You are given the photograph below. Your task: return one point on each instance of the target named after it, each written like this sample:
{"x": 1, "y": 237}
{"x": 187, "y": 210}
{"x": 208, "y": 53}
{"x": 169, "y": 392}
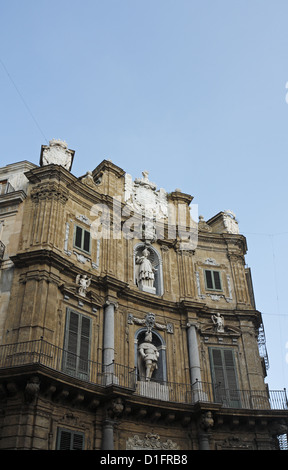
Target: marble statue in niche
{"x": 145, "y": 273}
{"x": 148, "y": 356}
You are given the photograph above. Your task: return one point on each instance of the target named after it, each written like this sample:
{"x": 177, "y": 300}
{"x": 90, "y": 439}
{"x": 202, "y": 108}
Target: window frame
{"x": 82, "y": 244}
{"x": 214, "y": 288}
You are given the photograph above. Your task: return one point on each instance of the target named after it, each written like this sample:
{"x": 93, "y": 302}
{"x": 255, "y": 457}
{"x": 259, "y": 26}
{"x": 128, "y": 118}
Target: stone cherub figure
{"x": 83, "y": 282}
{"x": 149, "y": 355}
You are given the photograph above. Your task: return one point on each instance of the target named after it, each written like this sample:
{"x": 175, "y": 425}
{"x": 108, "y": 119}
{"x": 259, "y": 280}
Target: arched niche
{"x": 159, "y": 374}
{"x": 154, "y": 257}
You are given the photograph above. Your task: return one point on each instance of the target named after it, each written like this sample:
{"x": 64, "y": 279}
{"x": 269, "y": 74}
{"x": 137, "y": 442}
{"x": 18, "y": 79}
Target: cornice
{"x": 109, "y": 284}
{"x": 12, "y": 199}
{"x": 50, "y": 172}
{"x": 42, "y": 256}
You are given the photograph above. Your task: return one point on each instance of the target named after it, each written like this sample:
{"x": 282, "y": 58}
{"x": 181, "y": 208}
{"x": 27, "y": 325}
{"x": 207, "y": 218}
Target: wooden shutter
{"x": 78, "y": 237}
{"x": 72, "y": 340}
{"x": 64, "y": 440}
{"x": 78, "y": 441}
{"x": 224, "y": 377}
{"x": 217, "y": 281}
{"x": 77, "y": 344}
{"x": 84, "y": 341}
{"x": 209, "y": 281}
{"x": 70, "y": 440}
{"x": 86, "y": 241}
{"x": 213, "y": 280}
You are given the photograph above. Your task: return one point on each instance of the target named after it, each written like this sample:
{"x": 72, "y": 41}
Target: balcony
{"x": 50, "y": 357}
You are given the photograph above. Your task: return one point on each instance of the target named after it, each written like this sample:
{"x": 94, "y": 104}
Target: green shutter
{"x": 209, "y": 282}
{"x": 86, "y": 241}
{"x": 78, "y": 441}
{"x": 224, "y": 377}
{"x": 217, "y": 282}
{"x": 213, "y": 279}
{"x": 84, "y": 345}
{"x": 77, "y": 344}
{"x": 69, "y": 440}
{"x": 78, "y": 237}
{"x": 82, "y": 239}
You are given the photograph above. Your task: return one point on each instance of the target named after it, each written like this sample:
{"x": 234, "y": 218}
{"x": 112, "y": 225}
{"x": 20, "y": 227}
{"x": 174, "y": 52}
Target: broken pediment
{"x": 227, "y": 331}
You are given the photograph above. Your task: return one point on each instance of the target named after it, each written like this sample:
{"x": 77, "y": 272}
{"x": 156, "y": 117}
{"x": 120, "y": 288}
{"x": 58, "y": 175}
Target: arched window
{"x": 159, "y": 374}
{"x": 148, "y": 272}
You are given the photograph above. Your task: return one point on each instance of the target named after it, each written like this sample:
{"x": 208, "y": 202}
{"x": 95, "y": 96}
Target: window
{"x": 224, "y": 377}
{"x": 5, "y": 187}
{"x": 69, "y": 440}
{"x": 213, "y": 280}
{"x": 77, "y": 345}
{"x": 82, "y": 239}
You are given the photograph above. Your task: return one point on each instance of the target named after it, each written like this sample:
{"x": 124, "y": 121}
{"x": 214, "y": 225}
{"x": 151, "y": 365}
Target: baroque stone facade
{"x": 126, "y": 322}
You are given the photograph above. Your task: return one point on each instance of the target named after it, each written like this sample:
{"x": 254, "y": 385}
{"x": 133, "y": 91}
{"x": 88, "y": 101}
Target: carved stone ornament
{"x": 203, "y": 226}
{"x": 150, "y": 441}
{"x": 32, "y": 388}
{"x": 207, "y": 421}
{"x": 142, "y": 196}
{"x": 150, "y": 322}
{"x": 230, "y": 222}
{"x": 57, "y": 153}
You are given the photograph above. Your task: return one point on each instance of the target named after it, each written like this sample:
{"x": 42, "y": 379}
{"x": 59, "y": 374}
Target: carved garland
{"x": 150, "y": 441}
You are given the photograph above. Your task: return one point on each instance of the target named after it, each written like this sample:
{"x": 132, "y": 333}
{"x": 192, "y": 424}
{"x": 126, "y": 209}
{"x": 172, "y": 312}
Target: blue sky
{"x": 192, "y": 91}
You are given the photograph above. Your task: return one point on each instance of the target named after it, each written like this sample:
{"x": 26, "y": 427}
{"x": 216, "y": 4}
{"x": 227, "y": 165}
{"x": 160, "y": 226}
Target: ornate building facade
{"x": 125, "y": 322}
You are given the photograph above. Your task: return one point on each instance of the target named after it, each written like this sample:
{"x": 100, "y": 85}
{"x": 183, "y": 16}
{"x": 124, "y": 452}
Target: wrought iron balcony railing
{"x": 57, "y": 359}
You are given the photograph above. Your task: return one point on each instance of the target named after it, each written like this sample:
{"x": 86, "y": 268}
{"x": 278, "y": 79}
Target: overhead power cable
{"x": 23, "y": 100}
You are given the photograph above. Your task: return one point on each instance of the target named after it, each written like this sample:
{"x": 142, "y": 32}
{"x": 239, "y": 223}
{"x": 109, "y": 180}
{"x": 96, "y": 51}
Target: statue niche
{"x": 151, "y": 357}
{"x": 148, "y": 357}
{"x": 148, "y": 269}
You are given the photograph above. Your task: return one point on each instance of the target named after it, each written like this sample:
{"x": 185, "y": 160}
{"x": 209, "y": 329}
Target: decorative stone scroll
{"x": 150, "y": 441}
{"x": 150, "y": 322}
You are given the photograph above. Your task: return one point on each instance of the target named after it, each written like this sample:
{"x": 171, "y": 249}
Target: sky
{"x": 192, "y": 91}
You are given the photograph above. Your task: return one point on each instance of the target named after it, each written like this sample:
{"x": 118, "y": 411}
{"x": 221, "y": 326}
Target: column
{"x": 108, "y": 342}
{"x": 194, "y": 363}
{"x": 194, "y": 360}
{"x": 108, "y": 435}
{"x": 204, "y": 442}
